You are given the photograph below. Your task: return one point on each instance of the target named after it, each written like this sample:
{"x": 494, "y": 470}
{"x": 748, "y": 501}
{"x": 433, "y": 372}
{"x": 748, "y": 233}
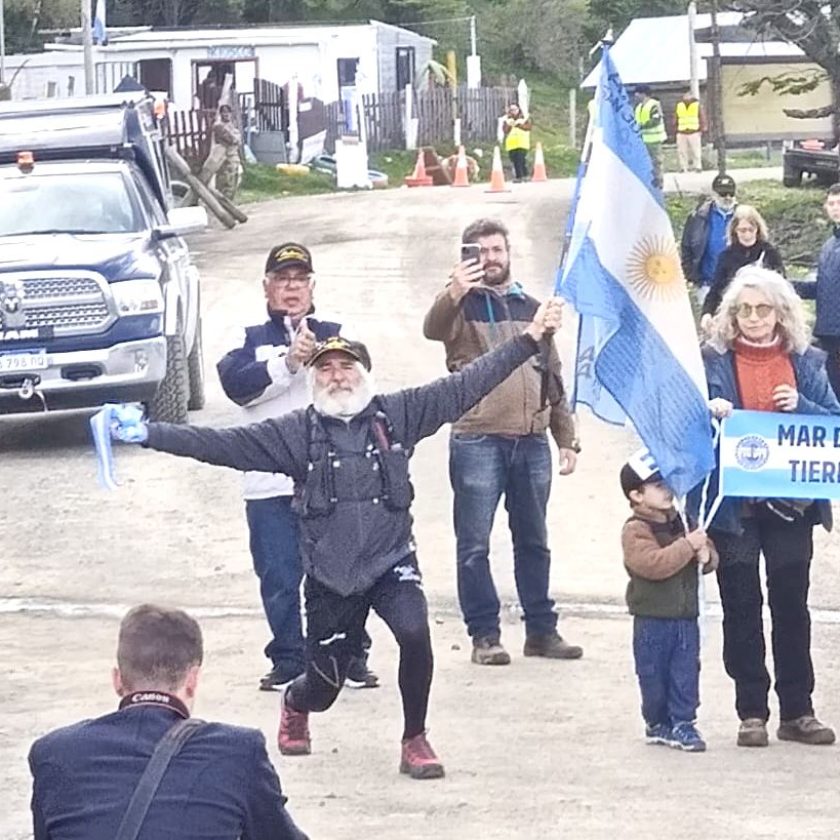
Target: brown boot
{"x": 752, "y": 733}
{"x": 551, "y": 646}
{"x": 487, "y": 650}
{"x": 806, "y": 730}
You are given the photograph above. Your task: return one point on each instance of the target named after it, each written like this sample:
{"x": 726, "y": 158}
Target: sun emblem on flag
{"x": 653, "y": 268}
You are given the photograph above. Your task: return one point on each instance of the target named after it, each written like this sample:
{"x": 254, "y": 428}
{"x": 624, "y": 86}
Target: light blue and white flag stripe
{"x": 100, "y": 31}
{"x": 623, "y": 272}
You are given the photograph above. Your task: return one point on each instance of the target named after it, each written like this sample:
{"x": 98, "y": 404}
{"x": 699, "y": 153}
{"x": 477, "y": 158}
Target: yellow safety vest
{"x": 688, "y": 117}
{"x": 654, "y": 134}
{"x": 517, "y": 138}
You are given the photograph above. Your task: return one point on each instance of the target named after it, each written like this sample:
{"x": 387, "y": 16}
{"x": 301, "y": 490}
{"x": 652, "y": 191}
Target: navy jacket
{"x": 352, "y": 546}
{"x": 815, "y": 397}
{"x": 826, "y": 291}
{"x": 221, "y": 786}
{"x": 244, "y": 372}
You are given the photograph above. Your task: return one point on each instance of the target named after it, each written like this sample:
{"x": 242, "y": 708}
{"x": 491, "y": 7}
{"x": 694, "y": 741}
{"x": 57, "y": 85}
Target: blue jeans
{"x": 481, "y": 469}
{"x": 274, "y": 548}
{"x": 667, "y": 654}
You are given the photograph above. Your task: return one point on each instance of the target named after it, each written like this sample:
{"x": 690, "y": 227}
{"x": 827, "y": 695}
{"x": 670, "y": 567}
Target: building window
{"x": 347, "y": 68}
{"x": 156, "y": 74}
{"x": 405, "y": 67}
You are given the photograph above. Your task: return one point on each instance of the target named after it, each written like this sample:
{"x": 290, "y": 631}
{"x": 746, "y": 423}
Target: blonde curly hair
{"x": 791, "y": 326}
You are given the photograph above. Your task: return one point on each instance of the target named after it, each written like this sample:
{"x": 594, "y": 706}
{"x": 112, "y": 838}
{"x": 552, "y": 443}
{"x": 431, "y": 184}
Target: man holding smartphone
{"x": 500, "y": 447}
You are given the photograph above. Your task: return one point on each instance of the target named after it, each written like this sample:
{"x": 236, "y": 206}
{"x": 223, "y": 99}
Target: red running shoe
{"x": 293, "y": 735}
{"x": 419, "y": 760}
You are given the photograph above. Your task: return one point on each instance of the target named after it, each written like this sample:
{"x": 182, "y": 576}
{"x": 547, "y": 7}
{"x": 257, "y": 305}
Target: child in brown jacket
{"x": 662, "y": 597}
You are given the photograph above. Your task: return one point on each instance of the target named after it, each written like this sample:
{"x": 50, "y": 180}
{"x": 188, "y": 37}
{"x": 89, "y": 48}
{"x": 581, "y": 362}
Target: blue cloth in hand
{"x": 121, "y": 422}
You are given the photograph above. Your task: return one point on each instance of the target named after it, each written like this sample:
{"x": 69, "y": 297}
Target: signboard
{"x": 779, "y": 455}
{"x": 231, "y": 51}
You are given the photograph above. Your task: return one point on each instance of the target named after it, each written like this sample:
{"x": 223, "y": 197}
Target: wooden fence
{"x": 270, "y": 106}
{"x": 191, "y": 134}
{"x": 479, "y": 110}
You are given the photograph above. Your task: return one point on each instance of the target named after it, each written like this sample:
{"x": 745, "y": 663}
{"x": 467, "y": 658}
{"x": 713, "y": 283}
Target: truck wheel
{"x": 195, "y": 369}
{"x": 169, "y": 404}
{"x": 791, "y": 177}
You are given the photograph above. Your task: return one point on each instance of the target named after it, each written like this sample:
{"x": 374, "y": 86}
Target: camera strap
{"x": 167, "y": 748}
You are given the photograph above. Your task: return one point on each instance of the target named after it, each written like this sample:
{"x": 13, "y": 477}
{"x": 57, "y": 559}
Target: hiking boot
{"x": 684, "y": 736}
{"x": 658, "y": 733}
{"x": 279, "y": 676}
{"x": 806, "y": 730}
{"x": 488, "y": 650}
{"x": 419, "y": 760}
{"x": 359, "y": 675}
{"x": 293, "y": 735}
{"x": 551, "y": 646}
{"x": 752, "y": 733}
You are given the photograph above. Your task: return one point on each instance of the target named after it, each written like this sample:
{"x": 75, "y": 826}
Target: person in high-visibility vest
{"x": 648, "y": 116}
{"x": 691, "y": 123}
{"x": 517, "y": 129}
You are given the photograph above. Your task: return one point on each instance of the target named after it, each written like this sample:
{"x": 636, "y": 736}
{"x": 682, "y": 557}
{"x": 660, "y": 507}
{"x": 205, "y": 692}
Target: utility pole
{"x": 692, "y": 50}
{"x": 717, "y": 91}
{"x": 473, "y": 39}
{"x": 87, "y": 46}
{"x": 2, "y": 45}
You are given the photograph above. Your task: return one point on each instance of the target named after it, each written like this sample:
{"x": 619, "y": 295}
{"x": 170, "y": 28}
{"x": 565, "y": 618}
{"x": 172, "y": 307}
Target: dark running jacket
{"x": 352, "y": 546}
{"x": 826, "y": 291}
{"x": 731, "y": 260}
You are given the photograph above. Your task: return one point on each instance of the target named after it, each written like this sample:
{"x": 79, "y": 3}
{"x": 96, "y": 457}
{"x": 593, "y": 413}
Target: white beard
{"x": 344, "y": 404}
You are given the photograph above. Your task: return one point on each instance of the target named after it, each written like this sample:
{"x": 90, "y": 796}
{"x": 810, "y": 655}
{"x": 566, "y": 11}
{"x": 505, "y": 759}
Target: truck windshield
{"x": 92, "y": 202}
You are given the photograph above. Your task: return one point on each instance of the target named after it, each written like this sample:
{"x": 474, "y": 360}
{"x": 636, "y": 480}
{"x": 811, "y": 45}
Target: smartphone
{"x": 470, "y": 252}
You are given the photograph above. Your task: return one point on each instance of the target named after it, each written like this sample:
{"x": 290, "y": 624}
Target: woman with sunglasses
{"x": 759, "y": 358}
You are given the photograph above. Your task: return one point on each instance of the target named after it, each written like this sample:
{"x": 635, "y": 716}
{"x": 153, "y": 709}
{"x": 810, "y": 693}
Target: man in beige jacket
{"x": 500, "y": 447}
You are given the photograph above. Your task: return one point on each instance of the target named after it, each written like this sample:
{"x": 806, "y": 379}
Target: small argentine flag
{"x": 100, "y": 33}
{"x": 638, "y": 355}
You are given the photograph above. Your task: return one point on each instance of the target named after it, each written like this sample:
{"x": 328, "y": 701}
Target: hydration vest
{"x": 378, "y": 475}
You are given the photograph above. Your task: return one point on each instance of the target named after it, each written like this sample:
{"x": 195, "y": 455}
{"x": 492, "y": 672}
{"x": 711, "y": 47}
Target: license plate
{"x": 23, "y": 362}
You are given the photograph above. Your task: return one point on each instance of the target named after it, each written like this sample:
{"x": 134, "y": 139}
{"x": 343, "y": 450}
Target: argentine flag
{"x": 638, "y": 357}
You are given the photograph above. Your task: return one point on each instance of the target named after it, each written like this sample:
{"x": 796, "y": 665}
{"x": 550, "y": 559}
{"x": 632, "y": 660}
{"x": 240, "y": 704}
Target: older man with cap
{"x": 704, "y": 235}
{"x": 348, "y": 455}
{"x": 266, "y": 376}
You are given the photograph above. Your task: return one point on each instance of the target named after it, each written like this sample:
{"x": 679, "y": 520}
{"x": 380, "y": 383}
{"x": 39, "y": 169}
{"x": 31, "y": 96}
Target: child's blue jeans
{"x": 667, "y": 654}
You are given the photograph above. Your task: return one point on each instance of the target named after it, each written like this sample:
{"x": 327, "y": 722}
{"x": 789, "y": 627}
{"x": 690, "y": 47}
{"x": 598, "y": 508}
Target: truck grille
{"x": 68, "y": 304}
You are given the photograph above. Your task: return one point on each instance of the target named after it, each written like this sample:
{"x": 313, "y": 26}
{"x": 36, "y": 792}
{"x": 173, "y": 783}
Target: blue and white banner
{"x": 638, "y": 353}
{"x": 780, "y": 456}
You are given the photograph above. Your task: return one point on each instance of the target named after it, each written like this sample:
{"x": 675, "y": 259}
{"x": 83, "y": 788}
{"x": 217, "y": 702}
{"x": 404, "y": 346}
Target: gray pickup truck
{"x": 99, "y": 299}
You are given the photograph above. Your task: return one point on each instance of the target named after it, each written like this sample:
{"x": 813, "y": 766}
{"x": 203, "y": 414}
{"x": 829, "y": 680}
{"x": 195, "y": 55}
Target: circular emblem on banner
{"x": 752, "y": 452}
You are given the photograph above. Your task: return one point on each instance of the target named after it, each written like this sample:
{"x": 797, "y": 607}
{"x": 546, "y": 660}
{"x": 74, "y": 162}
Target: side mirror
{"x": 183, "y": 220}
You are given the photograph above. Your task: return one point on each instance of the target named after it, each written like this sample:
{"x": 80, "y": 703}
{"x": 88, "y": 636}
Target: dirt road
{"x": 538, "y": 749}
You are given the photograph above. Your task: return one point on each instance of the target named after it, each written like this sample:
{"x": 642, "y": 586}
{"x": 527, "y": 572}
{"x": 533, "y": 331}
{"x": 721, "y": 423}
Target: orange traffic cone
{"x": 539, "y": 173}
{"x": 497, "y": 176}
{"x": 462, "y": 176}
{"x": 419, "y": 178}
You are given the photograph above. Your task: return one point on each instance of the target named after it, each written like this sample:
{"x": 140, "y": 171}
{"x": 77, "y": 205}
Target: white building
{"x": 323, "y": 60}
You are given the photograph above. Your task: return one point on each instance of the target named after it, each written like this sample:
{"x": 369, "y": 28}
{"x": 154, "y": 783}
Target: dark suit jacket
{"x": 221, "y": 786}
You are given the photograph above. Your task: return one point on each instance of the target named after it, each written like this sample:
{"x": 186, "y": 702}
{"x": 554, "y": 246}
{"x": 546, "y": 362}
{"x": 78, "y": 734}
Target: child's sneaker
{"x": 684, "y": 736}
{"x": 658, "y": 733}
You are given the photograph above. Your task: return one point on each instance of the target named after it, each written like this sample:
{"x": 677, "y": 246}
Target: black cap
{"x": 289, "y": 253}
{"x": 642, "y": 89}
{"x": 631, "y": 480}
{"x": 336, "y": 344}
{"x": 724, "y": 185}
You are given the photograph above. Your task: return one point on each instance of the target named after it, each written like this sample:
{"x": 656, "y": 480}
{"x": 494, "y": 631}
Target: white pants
{"x": 690, "y": 151}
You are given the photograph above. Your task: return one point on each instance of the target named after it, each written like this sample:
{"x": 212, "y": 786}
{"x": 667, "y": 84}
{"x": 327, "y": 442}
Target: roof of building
{"x": 654, "y": 50}
{"x": 229, "y": 35}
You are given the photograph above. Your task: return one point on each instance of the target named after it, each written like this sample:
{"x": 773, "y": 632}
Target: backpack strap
{"x": 167, "y": 748}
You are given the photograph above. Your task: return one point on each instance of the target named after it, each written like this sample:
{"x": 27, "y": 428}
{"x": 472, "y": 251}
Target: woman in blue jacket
{"x": 759, "y": 358}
